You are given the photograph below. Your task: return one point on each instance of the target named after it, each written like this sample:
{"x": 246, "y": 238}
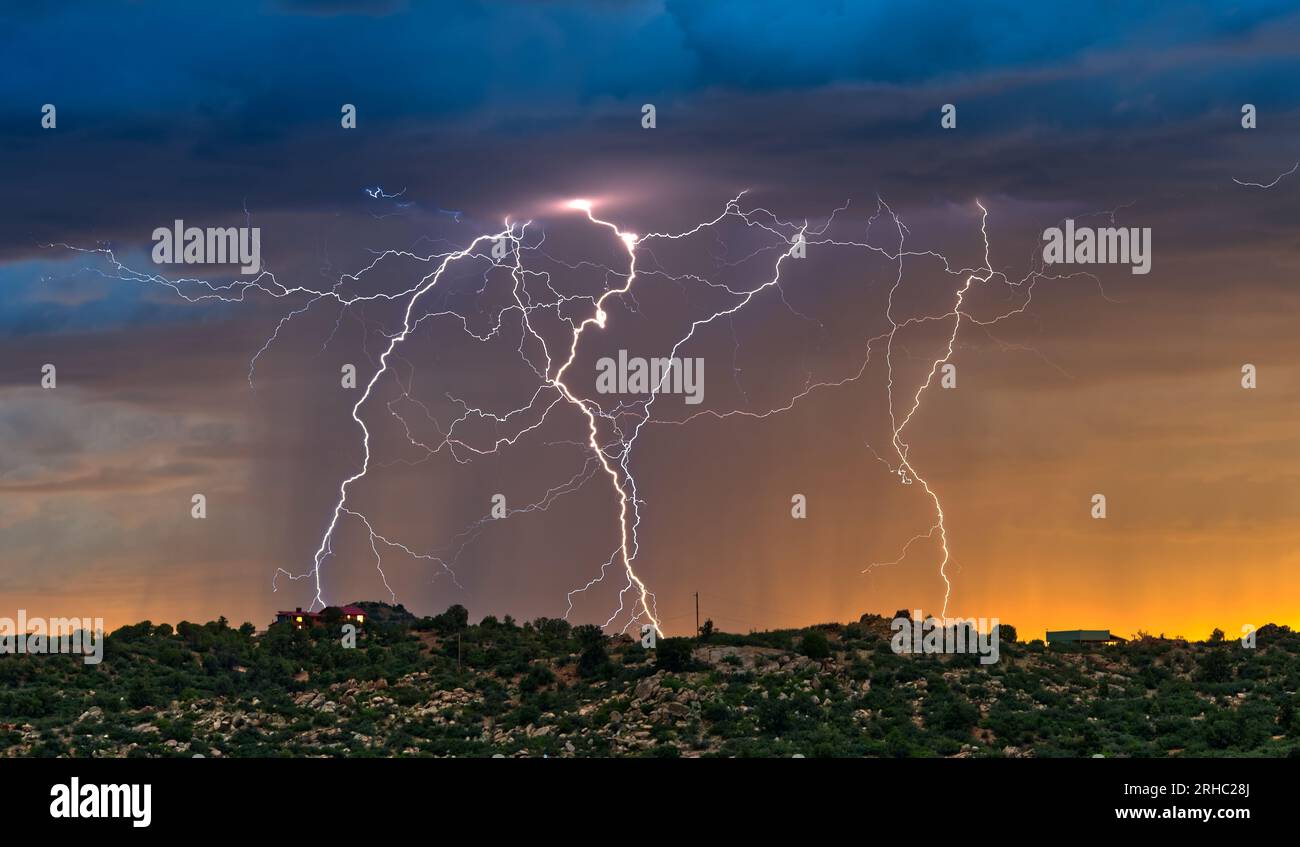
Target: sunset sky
{"x": 1115, "y": 383}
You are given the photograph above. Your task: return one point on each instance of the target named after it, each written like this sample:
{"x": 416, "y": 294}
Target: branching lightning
{"x": 608, "y": 441}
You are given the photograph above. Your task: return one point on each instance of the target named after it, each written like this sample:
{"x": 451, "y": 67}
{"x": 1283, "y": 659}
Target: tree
{"x": 539, "y": 675}
{"x": 589, "y": 635}
{"x": 1007, "y": 633}
{"x": 594, "y": 661}
{"x": 706, "y": 631}
{"x": 950, "y": 714}
{"x": 1223, "y": 731}
{"x": 814, "y": 645}
{"x": 452, "y": 621}
{"x": 1286, "y": 715}
{"x": 673, "y": 654}
{"x": 139, "y": 694}
{"x": 1217, "y": 666}
{"x": 552, "y": 628}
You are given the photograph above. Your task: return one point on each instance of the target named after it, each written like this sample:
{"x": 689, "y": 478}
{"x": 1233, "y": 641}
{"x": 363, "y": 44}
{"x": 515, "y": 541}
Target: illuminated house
{"x": 302, "y": 620}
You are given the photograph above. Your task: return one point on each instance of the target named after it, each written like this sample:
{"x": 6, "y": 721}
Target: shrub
{"x": 673, "y": 655}
{"x": 814, "y": 645}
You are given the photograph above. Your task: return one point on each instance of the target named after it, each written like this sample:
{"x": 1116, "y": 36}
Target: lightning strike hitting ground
{"x": 608, "y": 455}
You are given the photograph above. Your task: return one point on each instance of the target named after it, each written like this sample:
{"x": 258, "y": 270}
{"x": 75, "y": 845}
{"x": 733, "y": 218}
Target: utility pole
{"x": 697, "y": 614}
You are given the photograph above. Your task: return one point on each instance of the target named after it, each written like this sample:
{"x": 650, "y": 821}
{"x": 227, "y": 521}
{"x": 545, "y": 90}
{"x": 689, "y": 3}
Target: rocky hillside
{"x": 439, "y": 686}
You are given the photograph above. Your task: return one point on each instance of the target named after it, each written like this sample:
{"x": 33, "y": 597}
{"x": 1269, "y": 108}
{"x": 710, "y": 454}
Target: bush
{"x": 673, "y": 655}
{"x": 815, "y": 646}
{"x": 1217, "y": 666}
{"x": 594, "y": 661}
{"x": 538, "y": 676}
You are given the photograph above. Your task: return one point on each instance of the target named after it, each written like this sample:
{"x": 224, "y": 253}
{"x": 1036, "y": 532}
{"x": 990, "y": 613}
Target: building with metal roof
{"x": 1083, "y": 636}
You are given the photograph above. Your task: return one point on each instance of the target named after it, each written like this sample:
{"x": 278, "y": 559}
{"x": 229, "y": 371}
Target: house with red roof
{"x": 301, "y": 620}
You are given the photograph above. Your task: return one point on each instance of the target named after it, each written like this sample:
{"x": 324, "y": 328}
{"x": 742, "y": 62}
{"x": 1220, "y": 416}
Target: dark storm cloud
{"x": 476, "y": 107}
{"x": 242, "y": 61}
{"x": 775, "y": 44}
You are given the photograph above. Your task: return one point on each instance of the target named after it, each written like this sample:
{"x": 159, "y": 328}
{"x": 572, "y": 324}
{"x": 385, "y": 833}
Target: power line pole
{"x": 697, "y": 614}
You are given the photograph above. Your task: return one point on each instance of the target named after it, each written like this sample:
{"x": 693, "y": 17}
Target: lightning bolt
{"x": 608, "y": 442}
{"x": 1276, "y": 180}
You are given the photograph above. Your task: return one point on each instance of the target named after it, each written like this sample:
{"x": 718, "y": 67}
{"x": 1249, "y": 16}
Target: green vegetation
{"x": 440, "y": 686}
